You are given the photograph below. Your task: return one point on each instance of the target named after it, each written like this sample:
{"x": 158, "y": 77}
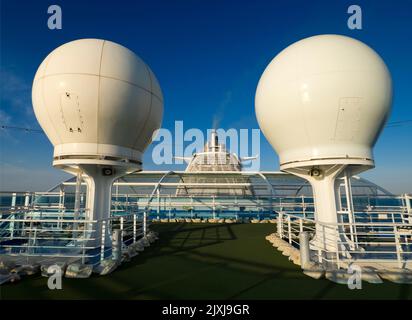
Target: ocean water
{"x": 247, "y": 207}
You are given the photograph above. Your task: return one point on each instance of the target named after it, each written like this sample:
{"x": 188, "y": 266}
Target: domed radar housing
{"x": 324, "y": 99}
{"x": 97, "y": 101}
{"x": 322, "y": 103}
{"x": 99, "y": 105}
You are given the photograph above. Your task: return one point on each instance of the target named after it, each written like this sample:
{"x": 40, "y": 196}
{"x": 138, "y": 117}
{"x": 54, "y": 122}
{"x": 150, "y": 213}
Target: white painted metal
{"x": 97, "y": 98}
{"x": 407, "y": 199}
{"x": 383, "y": 243}
{"x": 349, "y": 206}
{"x": 99, "y": 104}
{"x": 337, "y": 93}
{"x": 304, "y": 249}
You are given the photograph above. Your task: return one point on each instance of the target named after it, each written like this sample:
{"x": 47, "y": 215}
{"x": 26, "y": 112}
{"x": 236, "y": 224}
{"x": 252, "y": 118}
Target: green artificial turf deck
{"x": 205, "y": 261}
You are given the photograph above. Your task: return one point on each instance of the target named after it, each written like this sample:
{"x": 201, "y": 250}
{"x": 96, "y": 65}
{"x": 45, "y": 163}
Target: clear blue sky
{"x": 208, "y": 57}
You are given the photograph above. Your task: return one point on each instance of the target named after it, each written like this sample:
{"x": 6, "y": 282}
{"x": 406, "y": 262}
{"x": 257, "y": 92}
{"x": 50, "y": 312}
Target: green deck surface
{"x": 205, "y": 261}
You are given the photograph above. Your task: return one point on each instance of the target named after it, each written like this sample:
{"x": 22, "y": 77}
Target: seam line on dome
{"x": 98, "y": 96}
{"x": 44, "y": 100}
{"x": 150, "y": 109}
{"x": 108, "y": 77}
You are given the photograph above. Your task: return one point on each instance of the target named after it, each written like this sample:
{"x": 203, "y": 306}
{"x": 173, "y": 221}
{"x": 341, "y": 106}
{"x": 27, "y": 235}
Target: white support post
{"x": 337, "y": 253}
{"x": 121, "y": 227}
{"x": 127, "y": 202}
{"x": 350, "y": 208}
{"x": 116, "y": 208}
{"x": 134, "y": 227}
{"x": 77, "y": 202}
{"x": 13, "y": 207}
{"x": 27, "y": 200}
{"x": 158, "y": 200}
{"x": 170, "y": 207}
{"x": 61, "y": 205}
{"x": 117, "y": 245}
{"x": 26, "y": 211}
{"x": 324, "y": 182}
{"x": 303, "y": 207}
{"x": 398, "y": 247}
{"x": 280, "y": 225}
{"x": 407, "y": 200}
{"x": 191, "y": 207}
{"x": 214, "y": 207}
{"x": 144, "y": 223}
{"x": 13, "y": 200}
{"x": 103, "y": 240}
{"x": 304, "y": 249}
{"x": 289, "y": 230}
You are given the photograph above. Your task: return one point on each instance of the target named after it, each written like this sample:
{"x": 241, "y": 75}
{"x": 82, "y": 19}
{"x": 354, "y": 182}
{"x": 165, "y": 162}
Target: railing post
{"x": 144, "y": 223}
{"x": 289, "y": 230}
{"x": 337, "y": 249}
{"x": 103, "y": 235}
{"x": 121, "y": 226}
{"x": 77, "y": 202}
{"x": 13, "y": 207}
{"x": 214, "y": 207}
{"x": 117, "y": 245}
{"x": 158, "y": 200}
{"x": 408, "y": 208}
{"x": 398, "y": 247}
{"x": 85, "y": 227}
{"x": 279, "y": 225}
{"x": 350, "y": 208}
{"x": 304, "y": 249}
{"x": 303, "y": 207}
{"x": 61, "y": 205}
{"x": 13, "y": 200}
{"x": 134, "y": 228}
{"x": 27, "y": 200}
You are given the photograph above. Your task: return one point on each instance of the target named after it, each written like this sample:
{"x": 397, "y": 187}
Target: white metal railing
{"x": 30, "y": 226}
{"x": 386, "y": 242}
{"x": 25, "y": 235}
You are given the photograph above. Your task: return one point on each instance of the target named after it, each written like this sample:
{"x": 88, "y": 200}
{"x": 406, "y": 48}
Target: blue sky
{"x": 208, "y": 57}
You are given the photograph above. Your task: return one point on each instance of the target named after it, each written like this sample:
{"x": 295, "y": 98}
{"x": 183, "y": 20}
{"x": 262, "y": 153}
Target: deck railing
{"x": 40, "y": 236}
{"x": 388, "y": 242}
{"x": 47, "y": 224}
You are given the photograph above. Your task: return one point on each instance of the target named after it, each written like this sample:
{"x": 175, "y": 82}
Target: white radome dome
{"x": 325, "y": 97}
{"x": 97, "y": 99}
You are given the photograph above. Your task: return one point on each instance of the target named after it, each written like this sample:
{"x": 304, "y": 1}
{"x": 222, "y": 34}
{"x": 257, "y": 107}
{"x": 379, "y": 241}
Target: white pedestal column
{"x": 325, "y": 186}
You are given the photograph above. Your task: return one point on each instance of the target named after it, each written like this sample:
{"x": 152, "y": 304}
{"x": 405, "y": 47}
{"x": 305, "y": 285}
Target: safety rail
{"x": 122, "y": 202}
{"x": 31, "y": 238}
{"x": 47, "y": 224}
{"x": 342, "y": 243}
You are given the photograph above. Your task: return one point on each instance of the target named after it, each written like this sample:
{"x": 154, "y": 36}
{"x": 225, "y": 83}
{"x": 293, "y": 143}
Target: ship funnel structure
{"x": 213, "y": 159}
{"x": 99, "y": 105}
{"x": 322, "y": 103}
{"x": 214, "y": 141}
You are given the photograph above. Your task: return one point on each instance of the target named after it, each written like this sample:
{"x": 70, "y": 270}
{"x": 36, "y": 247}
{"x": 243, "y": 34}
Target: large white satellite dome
{"x": 96, "y": 99}
{"x": 324, "y": 99}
